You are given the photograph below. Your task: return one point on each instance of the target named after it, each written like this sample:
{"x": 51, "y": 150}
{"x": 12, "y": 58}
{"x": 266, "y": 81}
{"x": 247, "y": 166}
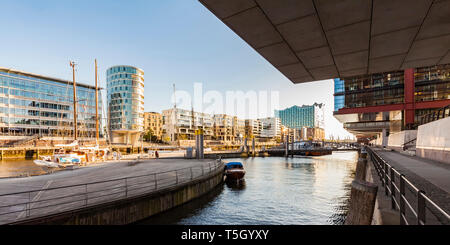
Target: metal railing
{"x": 413, "y": 206}
{"x": 35, "y": 203}
{"x": 21, "y": 142}
{"x": 408, "y": 144}
{"x": 435, "y": 115}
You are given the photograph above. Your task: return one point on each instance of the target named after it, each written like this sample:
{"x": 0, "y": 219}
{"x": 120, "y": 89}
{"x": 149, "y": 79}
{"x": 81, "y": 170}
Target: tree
{"x": 149, "y": 137}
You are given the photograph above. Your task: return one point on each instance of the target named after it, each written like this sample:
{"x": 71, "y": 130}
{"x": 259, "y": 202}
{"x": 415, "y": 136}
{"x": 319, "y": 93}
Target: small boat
{"x": 46, "y": 162}
{"x": 61, "y": 158}
{"x": 234, "y": 171}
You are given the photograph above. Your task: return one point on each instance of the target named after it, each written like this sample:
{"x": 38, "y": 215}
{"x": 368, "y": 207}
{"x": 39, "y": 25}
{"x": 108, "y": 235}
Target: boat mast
{"x": 96, "y": 104}
{"x": 175, "y": 109}
{"x": 193, "y": 117}
{"x": 75, "y": 130}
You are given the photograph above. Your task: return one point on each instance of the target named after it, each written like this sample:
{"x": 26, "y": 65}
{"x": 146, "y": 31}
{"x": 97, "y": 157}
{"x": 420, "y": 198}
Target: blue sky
{"x": 173, "y": 41}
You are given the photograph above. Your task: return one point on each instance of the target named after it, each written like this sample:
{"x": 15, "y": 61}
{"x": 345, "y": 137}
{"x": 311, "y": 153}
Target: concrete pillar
{"x": 361, "y": 167}
{"x": 199, "y": 144}
{"x": 253, "y": 147}
{"x": 362, "y": 203}
{"x": 286, "y": 146}
{"x": 246, "y": 145}
{"x": 292, "y": 147}
{"x": 409, "y": 96}
{"x": 202, "y": 145}
{"x": 196, "y": 146}
{"x": 384, "y": 138}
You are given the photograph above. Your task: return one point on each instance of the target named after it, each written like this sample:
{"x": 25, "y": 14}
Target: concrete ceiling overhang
{"x": 310, "y": 40}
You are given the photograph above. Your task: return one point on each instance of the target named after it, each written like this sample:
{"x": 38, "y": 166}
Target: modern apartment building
{"x": 295, "y": 134}
{"x": 305, "y": 133}
{"x": 179, "y": 124}
{"x": 125, "y": 87}
{"x": 238, "y": 129}
{"x": 252, "y": 128}
{"x": 382, "y": 103}
{"x": 153, "y": 121}
{"x": 311, "y": 116}
{"x": 223, "y": 128}
{"x": 270, "y": 128}
{"x": 32, "y": 104}
{"x": 312, "y": 134}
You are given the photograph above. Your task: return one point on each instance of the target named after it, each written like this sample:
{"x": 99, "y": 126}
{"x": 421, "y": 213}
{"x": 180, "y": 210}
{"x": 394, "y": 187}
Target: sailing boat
{"x": 70, "y": 154}
{"x": 97, "y": 152}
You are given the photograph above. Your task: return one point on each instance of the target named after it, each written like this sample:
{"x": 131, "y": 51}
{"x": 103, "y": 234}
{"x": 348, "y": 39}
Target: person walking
{"x": 156, "y": 154}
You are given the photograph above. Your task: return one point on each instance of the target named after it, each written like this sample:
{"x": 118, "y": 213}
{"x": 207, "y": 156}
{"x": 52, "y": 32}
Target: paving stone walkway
{"x": 428, "y": 175}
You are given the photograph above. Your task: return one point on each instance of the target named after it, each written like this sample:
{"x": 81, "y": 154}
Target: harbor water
{"x": 276, "y": 191}
{"x": 19, "y": 168}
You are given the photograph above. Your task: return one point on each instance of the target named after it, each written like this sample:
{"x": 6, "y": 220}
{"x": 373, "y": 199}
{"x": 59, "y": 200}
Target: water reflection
{"x": 236, "y": 185}
{"x": 278, "y": 191}
{"x": 188, "y": 210}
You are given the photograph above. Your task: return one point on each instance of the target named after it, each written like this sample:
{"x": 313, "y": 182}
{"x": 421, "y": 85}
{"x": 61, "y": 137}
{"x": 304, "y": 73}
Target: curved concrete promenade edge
{"x": 135, "y": 208}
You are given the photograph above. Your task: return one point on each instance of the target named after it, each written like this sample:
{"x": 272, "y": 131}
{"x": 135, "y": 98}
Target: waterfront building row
{"x": 179, "y": 124}
{"x": 33, "y": 105}
{"x": 303, "y": 134}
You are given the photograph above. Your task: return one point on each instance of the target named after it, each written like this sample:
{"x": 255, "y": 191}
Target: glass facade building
{"x": 370, "y": 90}
{"x": 390, "y": 101}
{"x": 296, "y": 117}
{"x": 339, "y": 95}
{"x": 429, "y": 84}
{"x": 432, "y": 83}
{"x": 32, "y": 104}
{"x": 125, "y": 94}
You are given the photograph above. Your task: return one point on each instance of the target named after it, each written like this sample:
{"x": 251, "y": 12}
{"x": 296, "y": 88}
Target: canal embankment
{"x": 111, "y": 194}
{"x": 383, "y": 214}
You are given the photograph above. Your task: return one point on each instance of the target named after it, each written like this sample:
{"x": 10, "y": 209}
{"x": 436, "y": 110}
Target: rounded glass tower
{"x": 125, "y": 95}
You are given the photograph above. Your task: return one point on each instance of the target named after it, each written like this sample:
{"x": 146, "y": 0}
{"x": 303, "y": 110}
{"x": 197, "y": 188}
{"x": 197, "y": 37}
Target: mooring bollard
{"x": 286, "y": 147}
{"x": 362, "y": 203}
{"x": 361, "y": 169}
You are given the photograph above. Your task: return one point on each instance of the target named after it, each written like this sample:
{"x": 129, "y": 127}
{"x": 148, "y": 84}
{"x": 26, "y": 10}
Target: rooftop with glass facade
{"x": 33, "y": 104}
